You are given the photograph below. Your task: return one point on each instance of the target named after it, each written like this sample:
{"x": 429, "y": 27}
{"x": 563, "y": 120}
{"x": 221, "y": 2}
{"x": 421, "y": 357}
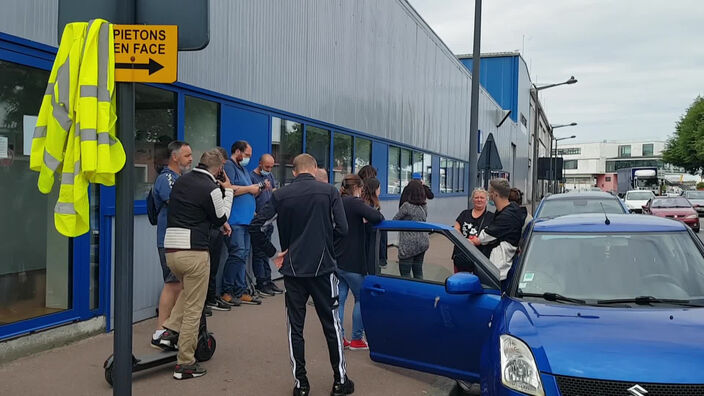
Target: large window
{"x": 614, "y": 165}
{"x": 201, "y": 126}
{"x": 286, "y": 143}
{"x": 428, "y": 169}
{"x": 318, "y": 145}
{"x": 403, "y": 163}
{"x": 406, "y": 168}
{"x": 647, "y": 150}
{"x": 155, "y": 122}
{"x": 443, "y": 175}
{"x": 569, "y": 164}
{"x": 394, "y": 185}
{"x": 624, "y": 151}
{"x": 36, "y": 264}
{"x": 451, "y": 176}
{"x": 568, "y": 151}
{"x": 363, "y": 153}
{"x": 342, "y": 157}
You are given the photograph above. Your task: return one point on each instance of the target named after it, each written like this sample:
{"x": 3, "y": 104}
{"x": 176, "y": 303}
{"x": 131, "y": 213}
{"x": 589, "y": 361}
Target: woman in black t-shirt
{"x": 470, "y": 223}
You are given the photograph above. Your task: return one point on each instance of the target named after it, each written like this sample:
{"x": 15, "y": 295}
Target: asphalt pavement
{"x": 252, "y": 358}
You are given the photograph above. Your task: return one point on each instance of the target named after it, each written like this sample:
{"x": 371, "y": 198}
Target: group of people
{"x": 496, "y": 234}
{"x": 326, "y": 238}
{"x": 324, "y": 234}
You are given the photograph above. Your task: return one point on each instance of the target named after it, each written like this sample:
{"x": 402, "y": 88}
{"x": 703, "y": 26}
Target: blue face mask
{"x": 244, "y": 162}
{"x": 265, "y": 173}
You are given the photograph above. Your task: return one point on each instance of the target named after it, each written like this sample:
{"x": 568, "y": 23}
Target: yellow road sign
{"x": 146, "y": 53}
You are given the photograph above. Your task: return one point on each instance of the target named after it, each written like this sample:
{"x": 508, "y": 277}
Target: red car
{"x": 677, "y": 208}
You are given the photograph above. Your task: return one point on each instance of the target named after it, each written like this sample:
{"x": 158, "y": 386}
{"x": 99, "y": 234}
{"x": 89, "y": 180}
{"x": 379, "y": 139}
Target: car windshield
{"x": 639, "y": 196}
{"x": 562, "y": 207}
{"x": 694, "y": 194}
{"x": 593, "y": 266}
{"x": 671, "y": 203}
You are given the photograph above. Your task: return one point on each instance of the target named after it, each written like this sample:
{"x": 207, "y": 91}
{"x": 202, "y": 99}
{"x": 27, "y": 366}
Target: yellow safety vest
{"x": 76, "y": 123}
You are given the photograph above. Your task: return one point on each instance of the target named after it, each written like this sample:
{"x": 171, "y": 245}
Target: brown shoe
{"x": 229, "y": 300}
{"x": 247, "y": 299}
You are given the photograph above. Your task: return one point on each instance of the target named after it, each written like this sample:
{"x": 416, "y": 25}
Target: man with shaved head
{"x": 309, "y": 215}
{"x": 260, "y": 261}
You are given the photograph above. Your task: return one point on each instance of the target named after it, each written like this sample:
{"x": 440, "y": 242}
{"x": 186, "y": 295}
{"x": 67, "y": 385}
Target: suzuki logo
{"x": 637, "y": 390}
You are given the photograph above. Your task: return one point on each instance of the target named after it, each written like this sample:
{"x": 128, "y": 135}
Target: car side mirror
{"x": 463, "y": 283}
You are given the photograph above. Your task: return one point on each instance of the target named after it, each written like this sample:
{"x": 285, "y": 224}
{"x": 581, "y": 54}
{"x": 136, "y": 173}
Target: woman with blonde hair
{"x": 470, "y": 223}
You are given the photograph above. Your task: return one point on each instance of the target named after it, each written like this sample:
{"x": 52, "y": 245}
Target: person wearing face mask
{"x": 504, "y": 232}
{"x": 470, "y": 223}
{"x": 234, "y": 281}
{"x": 260, "y": 261}
{"x": 351, "y": 252}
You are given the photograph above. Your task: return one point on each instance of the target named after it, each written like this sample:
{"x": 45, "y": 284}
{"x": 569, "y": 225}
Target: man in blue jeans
{"x": 234, "y": 281}
{"x": 260, "y": 261}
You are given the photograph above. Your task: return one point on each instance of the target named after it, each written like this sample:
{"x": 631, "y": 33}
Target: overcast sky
{"x": 640, "y": 64}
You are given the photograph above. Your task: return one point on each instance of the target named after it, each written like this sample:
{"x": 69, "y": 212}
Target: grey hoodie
{"x": 412, "y": 243}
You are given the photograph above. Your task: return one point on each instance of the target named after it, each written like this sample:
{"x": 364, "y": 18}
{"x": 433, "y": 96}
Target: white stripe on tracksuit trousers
{"x": 324, "y": 290}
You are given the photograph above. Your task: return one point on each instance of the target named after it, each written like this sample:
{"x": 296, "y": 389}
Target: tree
{"x": 686, "y": 147}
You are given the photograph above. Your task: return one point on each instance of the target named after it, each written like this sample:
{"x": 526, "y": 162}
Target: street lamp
{"x": 563, "y": 125}
{"x": 563, "y": 162}
{"x": 553, "y": 166}
{"x": 538, "y": 109}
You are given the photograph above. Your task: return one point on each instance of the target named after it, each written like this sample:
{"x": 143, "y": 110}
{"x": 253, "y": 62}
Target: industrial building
{"x": 352, "y": 83}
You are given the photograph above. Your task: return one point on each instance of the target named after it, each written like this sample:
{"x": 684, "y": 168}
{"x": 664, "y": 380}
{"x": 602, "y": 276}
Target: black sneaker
{"x": 342, "y": 389}
{"x": 186, "y": 371}
{"x": 218, "y": 305}
{"x": 208, "y": 312}
{"x": 265, "y": 290}
{"x": 169, "y": 340}
{"x": 275, "y": 288}
{"x": 157, "y": 344}
{"x": 304, "y": 390}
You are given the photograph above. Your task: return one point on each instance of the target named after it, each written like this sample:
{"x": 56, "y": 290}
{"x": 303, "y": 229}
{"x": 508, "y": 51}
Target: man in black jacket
{"x": 309, "y": 216}
{"x": 196, "y": 204}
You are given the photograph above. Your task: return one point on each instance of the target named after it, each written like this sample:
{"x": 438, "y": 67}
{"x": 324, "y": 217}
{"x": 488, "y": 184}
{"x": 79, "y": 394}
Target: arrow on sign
{"x": 153, "y": 66}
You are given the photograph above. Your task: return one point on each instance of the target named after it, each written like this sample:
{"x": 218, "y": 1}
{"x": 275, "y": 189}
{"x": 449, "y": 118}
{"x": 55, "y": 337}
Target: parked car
{"x": 635, "y": 199}
{"x": 579, "y": 202}
{"x": 590, "y": 307}
{"x": 696, "y": 198}
{"x": 677, "y": 208}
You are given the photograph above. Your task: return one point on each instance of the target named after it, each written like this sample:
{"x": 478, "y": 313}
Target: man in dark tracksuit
{"x": 309, "y": 215}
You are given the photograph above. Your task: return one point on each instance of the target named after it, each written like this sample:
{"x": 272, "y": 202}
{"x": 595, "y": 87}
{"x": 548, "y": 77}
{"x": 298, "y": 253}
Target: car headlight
{"x": 692, "y": 216}
{"x": 518, "y": 368}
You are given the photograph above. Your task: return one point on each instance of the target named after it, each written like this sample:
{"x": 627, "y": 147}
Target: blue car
{"x": 594, "y": 305}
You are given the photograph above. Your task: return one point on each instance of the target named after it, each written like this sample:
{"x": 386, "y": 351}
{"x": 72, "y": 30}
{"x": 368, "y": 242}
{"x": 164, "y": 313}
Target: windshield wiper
{"x": 647, "y": 300}
{"x": 551, "y": 297}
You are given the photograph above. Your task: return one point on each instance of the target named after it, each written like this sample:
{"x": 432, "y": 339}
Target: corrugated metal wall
{"x": 369, "y": 65}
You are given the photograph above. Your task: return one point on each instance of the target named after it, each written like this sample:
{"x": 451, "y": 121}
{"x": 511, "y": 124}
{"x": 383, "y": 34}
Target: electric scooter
{"x": 204, "y": 351}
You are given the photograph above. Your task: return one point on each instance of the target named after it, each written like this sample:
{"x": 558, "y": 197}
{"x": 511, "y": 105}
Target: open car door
{"x": 423, "y": 323}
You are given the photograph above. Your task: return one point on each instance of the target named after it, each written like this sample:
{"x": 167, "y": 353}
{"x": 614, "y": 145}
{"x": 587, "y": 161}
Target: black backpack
{"x": 152, "y": 209}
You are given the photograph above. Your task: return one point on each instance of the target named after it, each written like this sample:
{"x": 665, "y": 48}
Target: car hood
{"x": 672, "y": 211}
{"x": 660, "y": 345}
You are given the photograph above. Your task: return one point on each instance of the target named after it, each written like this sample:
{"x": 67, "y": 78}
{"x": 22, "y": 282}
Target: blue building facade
{"x": 340, "y": 94}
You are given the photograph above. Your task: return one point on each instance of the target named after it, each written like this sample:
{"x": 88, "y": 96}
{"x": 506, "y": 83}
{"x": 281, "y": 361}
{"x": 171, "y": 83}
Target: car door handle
{"x": 376, "y": 290}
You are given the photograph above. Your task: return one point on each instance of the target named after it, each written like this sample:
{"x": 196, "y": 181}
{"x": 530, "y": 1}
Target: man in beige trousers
{"x": 198, "y": 200}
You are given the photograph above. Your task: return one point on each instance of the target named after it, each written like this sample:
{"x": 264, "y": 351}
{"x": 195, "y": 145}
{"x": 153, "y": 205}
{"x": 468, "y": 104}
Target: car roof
{"x": 595, "y": 222}
{"x": 646, "y": 191}
{"x": 412, "y": 225}
{"x": 580, "y": 195}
